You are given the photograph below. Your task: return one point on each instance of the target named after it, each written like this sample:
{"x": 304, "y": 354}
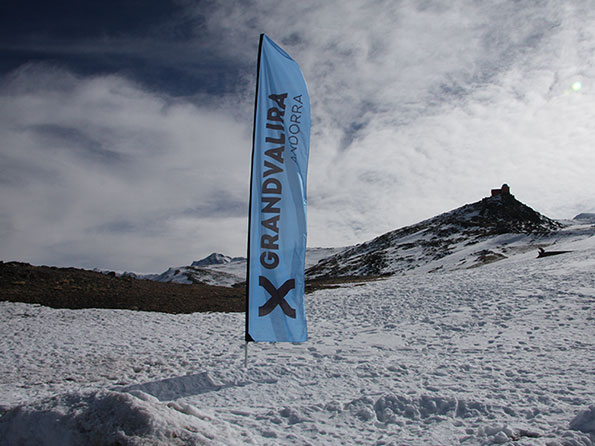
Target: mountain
{"x": 216, "y": 259}
{"x": 478, "y": 233}
{"x": 586, "y": 217}
{"x": 215, "y": 269}
{"x": 492, "y": 229}
{"x": 219, "y": 269}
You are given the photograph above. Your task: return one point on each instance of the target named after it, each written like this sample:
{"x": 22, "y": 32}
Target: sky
{"x": 126, "y": 126}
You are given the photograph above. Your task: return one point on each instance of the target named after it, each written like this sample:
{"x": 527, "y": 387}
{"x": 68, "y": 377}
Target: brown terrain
{"x": 77, "y": 288}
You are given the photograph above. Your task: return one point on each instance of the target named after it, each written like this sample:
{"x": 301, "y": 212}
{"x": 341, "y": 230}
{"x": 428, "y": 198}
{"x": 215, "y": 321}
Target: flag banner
{"x": 277, "y": 233}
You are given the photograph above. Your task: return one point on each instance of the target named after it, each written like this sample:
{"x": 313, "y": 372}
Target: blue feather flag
{"x": 275, "y": 310}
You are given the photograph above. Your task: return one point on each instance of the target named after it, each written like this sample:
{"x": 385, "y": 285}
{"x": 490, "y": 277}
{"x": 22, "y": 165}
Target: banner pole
{"x": 245, "y": 354}
{"x": 247, "y": 336}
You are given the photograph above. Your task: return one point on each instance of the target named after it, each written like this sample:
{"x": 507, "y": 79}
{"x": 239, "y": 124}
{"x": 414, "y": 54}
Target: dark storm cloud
{"x": 66, "y": 20}
{"x": 157, "y": 43}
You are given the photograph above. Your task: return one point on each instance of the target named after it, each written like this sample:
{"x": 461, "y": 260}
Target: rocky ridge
{"x": 456, "y": 232}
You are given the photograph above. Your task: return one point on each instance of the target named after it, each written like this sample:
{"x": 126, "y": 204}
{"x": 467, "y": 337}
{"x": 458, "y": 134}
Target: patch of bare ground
{"x": 75, "y": 288}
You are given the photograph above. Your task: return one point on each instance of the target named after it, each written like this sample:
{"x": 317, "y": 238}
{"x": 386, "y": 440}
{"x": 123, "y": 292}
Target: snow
{"x": 216, "y": 259}
{"x": 499, "y": 354}
{"x": 585, "y": 216}
{"x": 219, "y": 269}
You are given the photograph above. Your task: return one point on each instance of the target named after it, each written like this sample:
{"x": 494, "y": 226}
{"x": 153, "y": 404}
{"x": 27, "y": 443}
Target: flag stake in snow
{"x": 275, "y": 288}
{"x": 246, "y": 354}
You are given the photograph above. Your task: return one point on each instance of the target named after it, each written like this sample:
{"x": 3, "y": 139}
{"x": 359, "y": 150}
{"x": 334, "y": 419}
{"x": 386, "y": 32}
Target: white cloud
{"x": 417, "y": 107}
{"x": 97, "y": 168}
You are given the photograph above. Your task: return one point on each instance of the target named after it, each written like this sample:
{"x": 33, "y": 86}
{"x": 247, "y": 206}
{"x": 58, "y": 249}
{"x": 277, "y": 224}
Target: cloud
{"x": 98, "y": 164}
{"x": 417, "y": 107}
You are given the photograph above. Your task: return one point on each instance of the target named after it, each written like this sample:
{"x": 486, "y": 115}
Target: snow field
{"x": 504, "y": 353}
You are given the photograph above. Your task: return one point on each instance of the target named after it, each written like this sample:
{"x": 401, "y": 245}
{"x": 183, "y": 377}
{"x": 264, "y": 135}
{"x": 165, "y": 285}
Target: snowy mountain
{"x": 489, "y": 230}
{"x": 215, "y": 269}
{"x": 501, "y": 354}
{"x": 585, "y": 217}
{"x": 492, "y": 229}
{"x": 219, "y": 269}
{"x": 217, "y": 259}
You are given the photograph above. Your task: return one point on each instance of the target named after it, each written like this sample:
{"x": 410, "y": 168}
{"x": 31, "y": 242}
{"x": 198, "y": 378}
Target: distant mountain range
{"x": 490, "y": 230}
{"x": 219, "y": 269}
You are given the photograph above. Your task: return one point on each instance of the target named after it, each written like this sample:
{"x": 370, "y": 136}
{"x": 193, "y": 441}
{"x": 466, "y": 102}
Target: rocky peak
{"x": 213, "y": 259}
{"x": 431, "y": 240}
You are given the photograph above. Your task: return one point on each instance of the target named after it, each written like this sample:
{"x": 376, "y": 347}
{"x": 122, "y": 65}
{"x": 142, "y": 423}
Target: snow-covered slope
{"x": 586, "y": 217}
{"x": 501, "y": 354}
{"x": 219, "y": 269}
{"x": 486, "y": 231}
{"x": 217, "y": 259}
{"x": 216, "y": 269}
{"x": 489, "y": 230}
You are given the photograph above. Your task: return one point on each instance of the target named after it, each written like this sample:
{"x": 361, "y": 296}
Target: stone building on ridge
{"x": 504, "y": 190}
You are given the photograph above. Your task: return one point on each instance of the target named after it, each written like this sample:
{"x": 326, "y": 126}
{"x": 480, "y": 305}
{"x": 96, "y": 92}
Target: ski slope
{"x": 499, "y": 354}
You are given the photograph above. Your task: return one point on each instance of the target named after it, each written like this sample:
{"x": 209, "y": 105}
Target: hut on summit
{"x": 504, "y": 190}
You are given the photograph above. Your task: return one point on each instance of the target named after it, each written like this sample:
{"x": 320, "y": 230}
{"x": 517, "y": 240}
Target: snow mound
{"x": 584, "y": 421}
{"x": 174, "y": 388}
{"x": 109, "y": 417}
{"x": 390, "y": 406}
{"x": 400, "y": 409}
